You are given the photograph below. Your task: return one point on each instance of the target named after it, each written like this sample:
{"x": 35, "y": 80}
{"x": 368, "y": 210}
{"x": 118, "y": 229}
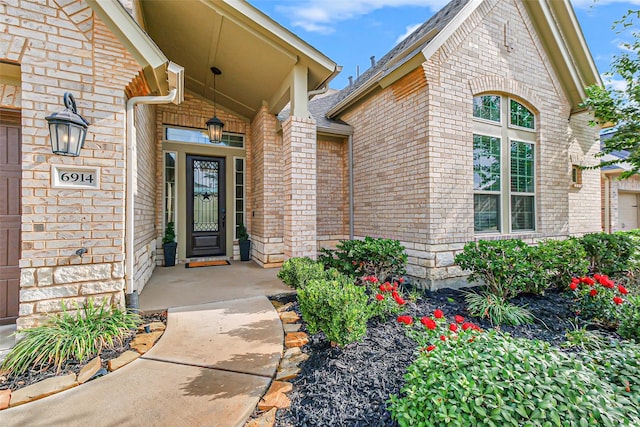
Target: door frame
{"x": 222, "y": 204}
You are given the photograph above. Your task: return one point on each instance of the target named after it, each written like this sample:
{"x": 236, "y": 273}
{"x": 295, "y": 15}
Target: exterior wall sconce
{"x": 214, "y": 124}
{"x": 67, "y": 129}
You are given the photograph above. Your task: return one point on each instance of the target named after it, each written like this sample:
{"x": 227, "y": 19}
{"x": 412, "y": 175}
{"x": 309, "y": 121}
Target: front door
{"x": 206, "y": 210}
{"x": 10, "y": 173}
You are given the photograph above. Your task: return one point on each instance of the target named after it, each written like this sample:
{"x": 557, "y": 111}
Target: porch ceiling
{"x": 255, "y": 54}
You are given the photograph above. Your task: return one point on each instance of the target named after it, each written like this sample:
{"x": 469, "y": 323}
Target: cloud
{"x": 611, "y": 82}
{"x": 410, "y": 29}
{"x": 585, "y": 4}
{"x": 322, "y": 15}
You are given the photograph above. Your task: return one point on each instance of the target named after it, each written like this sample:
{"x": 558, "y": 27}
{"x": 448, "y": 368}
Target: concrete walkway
{"x": 210, "y": 368}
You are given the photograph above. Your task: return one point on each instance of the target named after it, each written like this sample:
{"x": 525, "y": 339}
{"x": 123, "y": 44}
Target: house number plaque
{"x": 75, "y": 177}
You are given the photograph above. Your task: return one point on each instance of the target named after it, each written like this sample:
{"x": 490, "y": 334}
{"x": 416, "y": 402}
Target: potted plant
{"x": 169, "y": 245}
{"x": 244, "y": 242}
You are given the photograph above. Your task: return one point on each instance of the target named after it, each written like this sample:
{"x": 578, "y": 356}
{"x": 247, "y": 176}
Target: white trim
{"x": 244, "y": 193}
{"x": 164, "y": 190}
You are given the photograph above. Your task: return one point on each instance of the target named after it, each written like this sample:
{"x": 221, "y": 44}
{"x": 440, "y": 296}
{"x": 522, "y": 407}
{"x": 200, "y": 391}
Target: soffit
{"x": 255, "y": 60}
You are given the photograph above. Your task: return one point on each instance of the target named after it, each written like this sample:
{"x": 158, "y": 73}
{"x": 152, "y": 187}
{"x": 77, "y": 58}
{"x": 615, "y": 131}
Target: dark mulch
{"x": 15, "y": 382}
{"x": 350, "y": 386}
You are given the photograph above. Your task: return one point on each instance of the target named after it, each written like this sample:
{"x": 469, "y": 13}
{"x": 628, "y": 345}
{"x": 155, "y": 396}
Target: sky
{"x": 351, "y": 31}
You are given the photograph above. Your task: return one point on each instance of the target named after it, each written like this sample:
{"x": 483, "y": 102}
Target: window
{"x": 576, "y": 176}
{"x": 239, "y": 192}
{"x": 169, "y": 187}
{"x": 200, "y": 136}
{"x": 503, "y": 165}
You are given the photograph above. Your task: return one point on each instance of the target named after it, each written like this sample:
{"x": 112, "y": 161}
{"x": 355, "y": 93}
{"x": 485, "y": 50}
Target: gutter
{"x": 176, "y": 96}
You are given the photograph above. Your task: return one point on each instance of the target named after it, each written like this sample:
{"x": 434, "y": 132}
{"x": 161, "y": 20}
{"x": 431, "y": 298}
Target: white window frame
{"x": 164, "y": 190}
{"x": 508, "y": 133}
{"x": 244, "y": 194}
{"x": 200, "y": 144}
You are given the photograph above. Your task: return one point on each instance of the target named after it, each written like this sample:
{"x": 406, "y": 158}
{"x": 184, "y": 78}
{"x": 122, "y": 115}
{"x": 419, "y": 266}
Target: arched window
{"x": 503, "y": 165}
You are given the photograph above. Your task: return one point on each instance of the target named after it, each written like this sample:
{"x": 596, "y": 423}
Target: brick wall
{"x": 413, "y": 151}
{"x": 332, "y": 191}
{"x": 62, "y": 47}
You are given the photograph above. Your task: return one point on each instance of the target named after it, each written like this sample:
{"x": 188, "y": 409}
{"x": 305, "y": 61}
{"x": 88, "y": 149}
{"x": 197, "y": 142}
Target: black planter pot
{"x": 169, "y": 253}
{"x": 245, "y": 250}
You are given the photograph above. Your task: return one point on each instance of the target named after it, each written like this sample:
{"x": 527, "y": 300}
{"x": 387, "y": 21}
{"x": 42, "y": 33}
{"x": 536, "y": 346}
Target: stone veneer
{"x": 61, "y": 46}
{"x": 415, "y": 183}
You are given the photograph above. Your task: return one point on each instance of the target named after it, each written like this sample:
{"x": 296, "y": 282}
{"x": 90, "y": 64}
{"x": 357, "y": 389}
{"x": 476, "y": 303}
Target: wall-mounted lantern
{"x": 67, "y": 129}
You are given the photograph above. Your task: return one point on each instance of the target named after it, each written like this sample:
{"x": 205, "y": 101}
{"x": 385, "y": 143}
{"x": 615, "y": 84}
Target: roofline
{"x": 137, "y": 42}
{"x": 245, "y": 9}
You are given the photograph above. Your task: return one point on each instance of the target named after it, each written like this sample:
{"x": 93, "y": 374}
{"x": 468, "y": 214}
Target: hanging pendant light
{"x": 214, "y": 124}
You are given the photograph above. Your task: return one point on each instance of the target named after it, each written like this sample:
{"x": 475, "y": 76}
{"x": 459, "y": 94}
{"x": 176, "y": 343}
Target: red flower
{"x": 429, "y": 323}
{"x": 431, "y": 347}
{"x": 573, "y": 286}
{"x": 459, "y": 319}
{"x": 471, "y": 339}
{"x": 604, "y": 281}
{"x": 395, "y": 294}
{"x": 385, "y": 287}
{"x": 394, "y": 287}
{"x": 588, "y": 280}
{"x": 443, "y": 337}
{"x": 371, "y": 279}
{"x": 575, "y": 280}
{"x": 401, "y": 280}
{"x": 379, "y": 297}
{"x": 622, "y": 290}
{"x": 453, "y": 327}
{"x": 593, "y": 292}
{"x": 400, "y": 301}
{"x": 407, "y": 320}
{"x": 467, "y": 325}
{"x": 438, "y": 314}
{"x": 618, "y": 300}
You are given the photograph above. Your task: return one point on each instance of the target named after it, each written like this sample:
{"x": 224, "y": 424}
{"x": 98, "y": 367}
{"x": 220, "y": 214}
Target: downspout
{"x": 131, "y": 295}
{"x": 350, "y": 166}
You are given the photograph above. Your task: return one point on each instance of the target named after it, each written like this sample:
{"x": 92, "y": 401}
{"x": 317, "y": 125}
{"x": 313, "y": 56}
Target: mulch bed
{"x": 15, "y": 382}
{"x": 350, "y": 386}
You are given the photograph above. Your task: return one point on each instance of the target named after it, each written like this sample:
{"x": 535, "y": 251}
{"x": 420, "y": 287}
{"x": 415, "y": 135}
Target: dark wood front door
{"x": 10, "y": 173}
{"x": 206, "y": 210}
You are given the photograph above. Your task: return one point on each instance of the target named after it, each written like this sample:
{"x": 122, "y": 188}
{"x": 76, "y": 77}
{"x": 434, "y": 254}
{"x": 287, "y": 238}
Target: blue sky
{"x": 351, "y": 31}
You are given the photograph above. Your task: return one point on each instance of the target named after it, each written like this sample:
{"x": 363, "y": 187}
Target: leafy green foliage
{"x": 629, "y": 326}
{"x": 78, "y": 335}
{"x": 496, "y": 380}
{"x": 336, "y": 307}
{"x": 600, "y": 299}
{"x": 496, "y": 309}
{"x": 608, "y": 254}
{"x": 381, "y": 258}
{"x": 241, "y": 233}
{"x": 296, "y": 272}
{"x": 169, "y": 233}
{"x": 583, "y": 338}
{"x": 561, "y": 260}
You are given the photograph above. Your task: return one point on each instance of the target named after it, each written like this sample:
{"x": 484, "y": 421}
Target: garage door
{"x": 10, "y": 173}
{"x": 628, "y": 210}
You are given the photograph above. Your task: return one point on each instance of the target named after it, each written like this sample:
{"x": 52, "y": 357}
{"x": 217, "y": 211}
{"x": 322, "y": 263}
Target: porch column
{"x": 299, "y": 153}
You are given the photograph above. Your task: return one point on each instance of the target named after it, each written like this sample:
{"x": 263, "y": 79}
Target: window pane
{"x": 486, "y": 163}
{"x": 486, "y": 212}
{"x": 522, "y": 179}
{"x": 200, "y": 136}
{"x": 521, "y": 116}
{"x": 487, "y": 107}
{"x": 522, "y": 213}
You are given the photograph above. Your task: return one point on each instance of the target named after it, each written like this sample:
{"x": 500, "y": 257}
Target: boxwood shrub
{"x": 296, "y": 272}
{"x": 608, "y": 254}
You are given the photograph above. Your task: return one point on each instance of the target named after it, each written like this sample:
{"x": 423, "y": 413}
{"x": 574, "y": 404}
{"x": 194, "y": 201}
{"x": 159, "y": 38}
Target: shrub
{"x": 629, "y": 327}
{"x": 561, "y": 260}
{"x": 501, "y": 264}
{"x": 495, "y": 379}
{"x": 336, "y": 307}
{"x": 78, "y": 335}
{"x": 496, "y": 309}
{"x": 608, "y": 254}
{"x": 381, "y": 258}
{"x": 385, "y": 300}
{"x": 296, "y": 272}
{"x": 619, "y": 366}
{"x": 599, "y": 298}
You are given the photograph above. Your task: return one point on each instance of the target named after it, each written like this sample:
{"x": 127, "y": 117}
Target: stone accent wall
{"x": 267, "y": 204}
{"x": 145, "y": 201}
{"x": 415, "y": 184}
{"x": 333, "y": 191}
{"x": 299, "y": 153}
{"x": 62, "y": 47}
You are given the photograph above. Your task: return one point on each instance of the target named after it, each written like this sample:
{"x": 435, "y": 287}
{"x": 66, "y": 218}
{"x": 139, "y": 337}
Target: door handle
{"x": 224, "y": 217}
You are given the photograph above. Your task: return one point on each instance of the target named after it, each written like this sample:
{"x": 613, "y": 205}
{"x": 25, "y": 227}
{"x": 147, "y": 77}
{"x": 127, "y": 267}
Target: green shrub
{"x": 561, "y": 260}
{"x": 501, "y": 264}
{"x": 336, "y": 307}
{"x": 296, "y": 272}
{"x": 382, "y": 258}
{"x": 619, "y": 365}
{"x": 608, "y": 254}
{"x": 629, "y": 327}
{"x": 599, "y": 298}
{"x": 496, "y": 380}
{"x": 78, "y": 335}
{"x": 496, "y": 309}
